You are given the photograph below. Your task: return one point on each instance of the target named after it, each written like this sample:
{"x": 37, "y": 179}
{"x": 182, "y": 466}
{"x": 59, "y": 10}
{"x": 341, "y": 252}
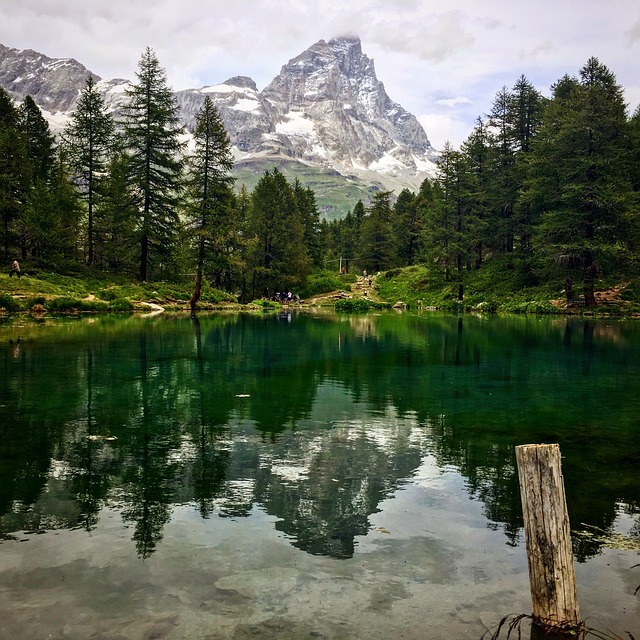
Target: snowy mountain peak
{"x": 325, "y": 109}
{"x": 242, "y": 81}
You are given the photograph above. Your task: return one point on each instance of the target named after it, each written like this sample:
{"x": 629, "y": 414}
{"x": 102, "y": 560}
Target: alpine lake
{"x": 307, "y": 475}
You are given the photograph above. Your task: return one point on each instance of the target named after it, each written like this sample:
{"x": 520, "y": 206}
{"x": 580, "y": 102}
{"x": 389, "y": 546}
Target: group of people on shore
{"x": 285, "y": 297}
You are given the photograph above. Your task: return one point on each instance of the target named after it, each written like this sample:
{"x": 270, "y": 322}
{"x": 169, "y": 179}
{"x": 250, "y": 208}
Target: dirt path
{"x": 361, "y": 288}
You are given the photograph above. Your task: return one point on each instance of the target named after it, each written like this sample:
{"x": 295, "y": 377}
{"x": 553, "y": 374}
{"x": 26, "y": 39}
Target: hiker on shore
{"x": 15, "y": 268}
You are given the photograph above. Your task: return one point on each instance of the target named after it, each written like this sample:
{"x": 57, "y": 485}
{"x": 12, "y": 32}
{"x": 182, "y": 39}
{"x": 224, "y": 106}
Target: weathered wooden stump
{"x": 546, "y": 523}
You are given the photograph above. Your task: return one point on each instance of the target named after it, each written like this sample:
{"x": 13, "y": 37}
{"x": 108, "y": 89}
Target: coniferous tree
{"x": 580, "y": 176}
{"x": 153, "y": 144}
{"x": 280, "y": 259}
{"x": 41, "y": 211}
{"x": 477, "y": 155}
{"x": 378, "y": 249}
{"x": 409, "y": 227}
{"x": 51, "y": 220}
{"x": 89, "y": 140}
{"x": 38, "y": 138}
{"x": 527, "y": 107}
{"x": 503, "y": 188}
{"x": 310, "y": 218}
{"x": 115, "y": 228}
{"x": 14, "y": 173}
{"x": 452, "y": 227}
{"x": 240, "y": 243}
{"x": 351, "y": 235}
{"x": 210, "y": 196}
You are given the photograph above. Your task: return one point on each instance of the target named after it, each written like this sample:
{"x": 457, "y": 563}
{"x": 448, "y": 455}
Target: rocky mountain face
{"x": 52, "y": 82}
{"x": 325, "y": 110}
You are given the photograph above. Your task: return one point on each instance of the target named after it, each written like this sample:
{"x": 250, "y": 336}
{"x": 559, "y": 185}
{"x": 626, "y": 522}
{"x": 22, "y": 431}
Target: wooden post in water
{"x": 546, "y": 523}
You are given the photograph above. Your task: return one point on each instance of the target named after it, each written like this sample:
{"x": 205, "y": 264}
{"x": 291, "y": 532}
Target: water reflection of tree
{"x": 344, "y": 476}
{"x": 184, "y": 399}
{"x": 31, "y": 425}
{"x": 209, "y": 435}
{"x": 148, "y": 472}
{"x": 466, "y": 382}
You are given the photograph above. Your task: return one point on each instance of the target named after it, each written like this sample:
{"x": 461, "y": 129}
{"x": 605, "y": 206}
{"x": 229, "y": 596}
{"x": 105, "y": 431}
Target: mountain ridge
{"x": 325, "y": 110}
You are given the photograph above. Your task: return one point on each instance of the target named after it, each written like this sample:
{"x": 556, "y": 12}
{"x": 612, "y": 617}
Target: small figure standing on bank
{"x": 15, "y": 268}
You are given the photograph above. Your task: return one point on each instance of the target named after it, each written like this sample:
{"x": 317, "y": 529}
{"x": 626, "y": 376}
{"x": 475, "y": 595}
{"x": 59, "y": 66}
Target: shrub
{"x": 358, "y": 305}
{"x": 120, "y": 305}
{"x": 326, "y": 281}
{"x": 107, "y": 294}
{"x": 267, "y": 305}
{"x": 9, "y": 303}
{"x": 64, "y": 304}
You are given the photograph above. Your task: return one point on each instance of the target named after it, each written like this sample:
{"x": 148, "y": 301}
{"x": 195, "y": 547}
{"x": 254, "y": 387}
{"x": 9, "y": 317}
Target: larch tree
{"x": 408, "y": 226}
{"x": 280, "y": 258}
{"x": 38, "y": 138}
{"x": 378, "y": 246}
{"x": 580, "y": 175}
{"x": 210, "y": 196}
{"x": 152, "y": 138}
{"x": 452, "y": 224}
{"x": 310, "y": 218}
{"x": 115, "y": 228}
{"x": 88, "y": 137}
{"x": 14, "y": 172}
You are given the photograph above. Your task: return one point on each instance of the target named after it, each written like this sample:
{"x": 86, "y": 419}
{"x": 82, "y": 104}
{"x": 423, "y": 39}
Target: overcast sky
{"x": 443, "y": 61}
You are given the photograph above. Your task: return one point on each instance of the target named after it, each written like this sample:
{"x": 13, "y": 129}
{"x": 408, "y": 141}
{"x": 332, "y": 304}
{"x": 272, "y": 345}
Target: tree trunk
{"x": 144, "y": 256}
{"x": 196, "y": 294}
{"x": 590, "y": 272}
{"x": 546, "y": 522}
{"x": 568, "y": 289}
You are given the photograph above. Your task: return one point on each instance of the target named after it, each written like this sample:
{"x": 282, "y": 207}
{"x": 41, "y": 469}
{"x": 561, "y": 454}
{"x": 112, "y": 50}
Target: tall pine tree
{"x": 88, "y": 137}
{"x": 280, "y": 258}
{"x": 580, "y": 175}
{"x": 152, "y": 138}
{"x": 378, "y": 248}
{"x": 210, "y": 196}
{"x": 14, "y": 174}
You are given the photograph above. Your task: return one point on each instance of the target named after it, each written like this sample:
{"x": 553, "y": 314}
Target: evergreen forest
{"x": 540, "y": 201}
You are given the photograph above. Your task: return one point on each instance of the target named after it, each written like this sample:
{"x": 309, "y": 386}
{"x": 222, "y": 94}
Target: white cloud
{"x": 453, "y": 102}
{"x": 442, "y": 128}
{"x": 427, "y": 54}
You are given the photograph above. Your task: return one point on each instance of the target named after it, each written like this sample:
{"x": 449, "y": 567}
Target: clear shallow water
{"x": 305, "y": 476}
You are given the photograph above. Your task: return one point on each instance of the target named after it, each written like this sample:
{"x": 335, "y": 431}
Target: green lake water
{"x": 306, "y": 475}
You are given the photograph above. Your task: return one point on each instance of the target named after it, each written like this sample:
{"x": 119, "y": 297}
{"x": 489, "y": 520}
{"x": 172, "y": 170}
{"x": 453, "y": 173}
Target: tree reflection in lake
{"x": 314, "y": 419}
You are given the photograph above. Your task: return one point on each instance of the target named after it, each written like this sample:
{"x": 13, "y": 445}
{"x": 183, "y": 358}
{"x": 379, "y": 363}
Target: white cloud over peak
{"x": 428, "y": 55}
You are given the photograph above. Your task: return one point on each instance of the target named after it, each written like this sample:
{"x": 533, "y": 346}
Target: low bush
{"x": 63, "y": 304}
{"x": 9, "y": 303}
{"x": 326, "y": 281}
{"x": 358, "y": 305}
{"x": 120, "y": 305}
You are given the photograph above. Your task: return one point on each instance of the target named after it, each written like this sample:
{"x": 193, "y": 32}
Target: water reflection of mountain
{"x": 315, "y": 419}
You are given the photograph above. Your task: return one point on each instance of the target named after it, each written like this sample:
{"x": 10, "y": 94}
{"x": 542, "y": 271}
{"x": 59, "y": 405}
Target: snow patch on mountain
{"x": 326, "y": 108}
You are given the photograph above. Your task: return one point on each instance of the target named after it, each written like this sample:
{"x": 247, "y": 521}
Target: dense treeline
{"x": 124, "y": 195}
{"x": 546, "y": 186}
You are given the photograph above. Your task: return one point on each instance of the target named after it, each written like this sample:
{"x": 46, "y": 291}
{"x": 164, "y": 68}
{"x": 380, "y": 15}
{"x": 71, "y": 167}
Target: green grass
{"x": 326, "y": 281}
{"x": 94, "y": 292}
{"x": 359, "y": 305}
{"x": 499, "y": 286}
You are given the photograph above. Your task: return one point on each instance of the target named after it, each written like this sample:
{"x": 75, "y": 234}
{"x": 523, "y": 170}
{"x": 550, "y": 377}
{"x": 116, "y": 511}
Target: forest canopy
{"x": 546, "y": 187}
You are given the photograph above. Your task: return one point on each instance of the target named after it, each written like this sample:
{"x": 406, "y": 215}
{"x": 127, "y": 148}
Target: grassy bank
{"x": 53, "y": 292}
{"x": 499, "y": 288}
{"x": 495, "y": 288}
